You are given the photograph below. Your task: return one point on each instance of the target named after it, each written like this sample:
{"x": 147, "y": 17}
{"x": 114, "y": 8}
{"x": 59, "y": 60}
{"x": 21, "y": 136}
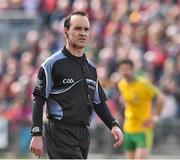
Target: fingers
{"x": 119, "y": 139}
{"x": 116, "y": 145}
{"x": 148, "y": 123}
{"x": 37, "y": 152}
{"x": 36, "y": 146}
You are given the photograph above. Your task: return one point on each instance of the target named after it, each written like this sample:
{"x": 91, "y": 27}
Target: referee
{"x": 67, "y": 82}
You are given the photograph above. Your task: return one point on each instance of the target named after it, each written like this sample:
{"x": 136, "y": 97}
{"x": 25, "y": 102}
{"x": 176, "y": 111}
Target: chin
{"x": 81, "y": 46}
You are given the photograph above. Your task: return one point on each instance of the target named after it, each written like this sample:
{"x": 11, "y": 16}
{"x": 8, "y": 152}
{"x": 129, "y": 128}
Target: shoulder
{"x": 142, "y": 80}
{"x": 53, "y": 58}
{"x": 91, "y": 63}
{"x": 122, "y": 83}
{"x": 148, "y": 85}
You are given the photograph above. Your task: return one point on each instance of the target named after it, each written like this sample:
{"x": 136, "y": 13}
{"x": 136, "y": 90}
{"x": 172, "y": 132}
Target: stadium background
{"x": 147, "y": 31}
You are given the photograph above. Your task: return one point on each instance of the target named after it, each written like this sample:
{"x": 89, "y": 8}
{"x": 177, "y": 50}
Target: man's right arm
{"x": 36, "y": 145}
{"x": 38, "y": 102}
{"x": 37, "y": 115}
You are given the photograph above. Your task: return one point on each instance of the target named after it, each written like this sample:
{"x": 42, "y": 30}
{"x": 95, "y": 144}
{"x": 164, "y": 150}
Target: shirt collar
{"x": 68, "y": 54}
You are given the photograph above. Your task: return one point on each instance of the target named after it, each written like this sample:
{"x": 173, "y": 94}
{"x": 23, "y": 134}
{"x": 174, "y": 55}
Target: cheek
{"x": 88, "y": 34}
{"x": 122, "y": 73}
{"x": 126, "y": 73}
{"x": 75, "y": 35}
{"x": 124, "y": 70}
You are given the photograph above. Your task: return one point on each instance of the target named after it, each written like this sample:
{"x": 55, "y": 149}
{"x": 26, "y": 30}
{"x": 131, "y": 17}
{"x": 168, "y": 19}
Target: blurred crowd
{"x": 147, "y": 31}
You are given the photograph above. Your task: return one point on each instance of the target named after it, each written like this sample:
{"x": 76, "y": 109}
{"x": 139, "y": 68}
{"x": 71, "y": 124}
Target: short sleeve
{"x": 152, "y": 89}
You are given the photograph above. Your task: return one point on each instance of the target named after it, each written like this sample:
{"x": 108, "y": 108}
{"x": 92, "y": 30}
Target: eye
{"x": 86, "y": 29}
{"x": 78, "y": 28}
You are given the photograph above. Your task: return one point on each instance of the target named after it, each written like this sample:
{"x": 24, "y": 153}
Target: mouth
{"x": 82, "y": 40}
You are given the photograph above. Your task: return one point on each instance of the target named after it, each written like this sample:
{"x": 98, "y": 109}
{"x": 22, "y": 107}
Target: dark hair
{"x": 126, "y": 61}
{"x": 68, "y": 18}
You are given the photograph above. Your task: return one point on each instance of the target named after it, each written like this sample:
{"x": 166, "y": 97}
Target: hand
{"x": 152, "y": 122}
{"x": 118, "y": 136}
{"x": 148, "y": 124}
{"x": 37, "y": 146}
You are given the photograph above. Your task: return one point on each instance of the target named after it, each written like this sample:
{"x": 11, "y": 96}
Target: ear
{"x": 65, "y": 31}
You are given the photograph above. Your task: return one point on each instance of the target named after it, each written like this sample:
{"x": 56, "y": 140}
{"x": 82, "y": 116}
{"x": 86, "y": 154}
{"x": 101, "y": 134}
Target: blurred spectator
{"x": 177, "y": 81}
{"x": 169, "y": 110}
{"x": 31, "y": 6}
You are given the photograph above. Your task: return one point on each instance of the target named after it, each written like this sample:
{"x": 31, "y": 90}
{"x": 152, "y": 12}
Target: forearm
{"x": 159, "y": 103}
{"x": 103, "y": 112}
{"x": 37, "y": 114}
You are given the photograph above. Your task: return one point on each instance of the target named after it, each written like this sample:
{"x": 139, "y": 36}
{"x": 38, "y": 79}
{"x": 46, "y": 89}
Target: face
{"x": 126, "y": 71}
{"x": 79, "y": 30}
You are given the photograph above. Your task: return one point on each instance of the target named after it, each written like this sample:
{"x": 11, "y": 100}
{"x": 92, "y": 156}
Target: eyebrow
{"x": 79, "y": 27}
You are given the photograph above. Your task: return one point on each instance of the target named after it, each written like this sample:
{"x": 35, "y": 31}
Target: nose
{"x": 83, "y": 32}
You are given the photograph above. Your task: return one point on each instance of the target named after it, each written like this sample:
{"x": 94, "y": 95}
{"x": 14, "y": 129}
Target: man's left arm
{"x": 158, "y": 105}
{"x": 103, "y": 112}
{"x": 158, "y": 99}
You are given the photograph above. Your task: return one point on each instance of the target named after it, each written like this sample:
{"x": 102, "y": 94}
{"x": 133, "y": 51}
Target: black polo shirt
{"x": 64, "y": 82}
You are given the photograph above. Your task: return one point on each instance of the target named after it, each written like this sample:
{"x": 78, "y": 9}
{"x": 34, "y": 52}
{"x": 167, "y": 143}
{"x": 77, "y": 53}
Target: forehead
{"x": 78, "y": 20}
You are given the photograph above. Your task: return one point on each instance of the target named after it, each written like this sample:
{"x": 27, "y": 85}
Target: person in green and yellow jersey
{"x": 140, "y": 98}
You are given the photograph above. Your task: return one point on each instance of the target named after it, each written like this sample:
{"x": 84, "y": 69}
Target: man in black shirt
{"x": 67, "y": 82}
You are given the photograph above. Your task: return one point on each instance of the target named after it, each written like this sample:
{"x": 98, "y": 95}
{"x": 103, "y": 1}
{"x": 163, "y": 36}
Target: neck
{"x": 130, "y": 79}
{"x": 75, "y": 51}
